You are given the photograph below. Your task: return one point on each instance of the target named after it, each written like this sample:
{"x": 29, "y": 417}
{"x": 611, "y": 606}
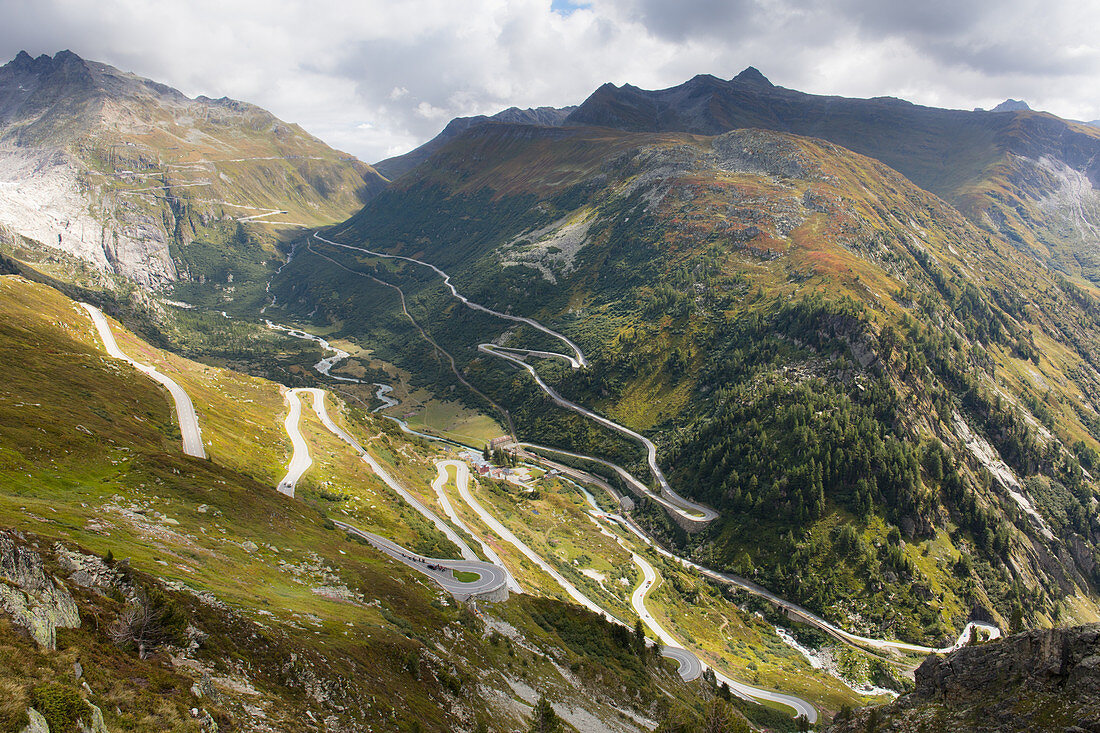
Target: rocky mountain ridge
{"x": 1025, "y": 175}
{"x": 399, "y": 165}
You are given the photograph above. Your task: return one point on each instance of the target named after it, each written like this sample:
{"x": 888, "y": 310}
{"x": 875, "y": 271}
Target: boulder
{"x": 37, "y": 723}
{"x": 95, "y": 723}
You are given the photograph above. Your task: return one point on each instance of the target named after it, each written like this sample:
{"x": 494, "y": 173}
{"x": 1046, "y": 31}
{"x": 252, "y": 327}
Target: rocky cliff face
{"x": 1038, "y": 680}
{"x": 30, "y": 596}
{"x": 116, "y": 169}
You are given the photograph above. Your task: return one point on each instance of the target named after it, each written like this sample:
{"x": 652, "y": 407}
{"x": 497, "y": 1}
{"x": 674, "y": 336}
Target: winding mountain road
{"x": 697, "y": 515}
{"x": 689, "y": 665}
{"x": 462, "y": 480}
{"x": 437, "y": 485}
{"x": 687, "y": 660}
{"x": 490, "y": 577}
{"x": 667, "y": 497}
{"x": 185, "y": 409}
{"x": 300, "y": 460}
{"x": 798, "y": 612}
{"x": 323, "y": 416}
{"x": 577, "y": 360}
{"x": 800, "y": 706}
{"x": 673, "y": 502}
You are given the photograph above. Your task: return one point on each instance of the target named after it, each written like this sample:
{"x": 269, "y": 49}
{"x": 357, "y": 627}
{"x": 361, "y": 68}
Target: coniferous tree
{"x": 544, "y": 719}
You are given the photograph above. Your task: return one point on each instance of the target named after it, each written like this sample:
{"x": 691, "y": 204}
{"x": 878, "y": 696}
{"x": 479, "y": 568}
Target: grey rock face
{"x": 37, "y": 723}
{"x": 1066, "y": 659}
{"x": 87, "y": 571}
{"x": 95, "y": 723}
{"x": 1047, "y": 679}
{"x": 32, "y": 598}
{"x": 1011, "y": 105}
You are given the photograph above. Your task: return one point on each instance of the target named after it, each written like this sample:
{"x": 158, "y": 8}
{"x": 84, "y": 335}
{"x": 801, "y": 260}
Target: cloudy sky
{"x": 378, "y": 77}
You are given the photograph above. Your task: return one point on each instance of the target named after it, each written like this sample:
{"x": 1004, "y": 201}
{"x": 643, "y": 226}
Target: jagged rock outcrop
{"x": 1037, "y": 680}
{"x": 31, "y": 597}
{"x": 1012, "y": 105}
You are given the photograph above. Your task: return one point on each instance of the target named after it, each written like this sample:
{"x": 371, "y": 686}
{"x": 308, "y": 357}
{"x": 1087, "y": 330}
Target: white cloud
{"x": 429, "y": 112}
{"x": 409, "y": 66}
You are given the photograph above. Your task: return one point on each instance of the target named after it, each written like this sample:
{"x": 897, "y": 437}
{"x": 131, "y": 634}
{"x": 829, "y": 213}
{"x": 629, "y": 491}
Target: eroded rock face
{"x": 1063, "y": 659}
{"x": 1037, "y": 680}
{"x": 32, "y": 598}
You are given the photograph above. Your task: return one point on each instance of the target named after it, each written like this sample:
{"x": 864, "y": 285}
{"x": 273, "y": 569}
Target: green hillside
{"x": 137, "y": 180}
{"x": 266, "y": 616}
{"x": 855, "y": 375}
{"x": 1024, "y": 176}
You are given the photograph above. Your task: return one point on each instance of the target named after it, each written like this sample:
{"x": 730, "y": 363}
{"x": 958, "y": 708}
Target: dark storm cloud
{"x": 690, "y": 19}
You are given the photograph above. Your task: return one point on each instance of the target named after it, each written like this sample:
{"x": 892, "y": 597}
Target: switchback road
{"x": 689, "y": 665}
{"x": 490, "y": 577}
{"x": 698, "y": 515}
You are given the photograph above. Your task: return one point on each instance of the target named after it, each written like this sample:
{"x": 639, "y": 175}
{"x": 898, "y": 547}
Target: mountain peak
{"x": 1012, "y": 105}
{"x": 67, "y": 57}
{"x": 22, "y": 59}
{"x": 702, "y": 79}
{"x": 752, "y": 75}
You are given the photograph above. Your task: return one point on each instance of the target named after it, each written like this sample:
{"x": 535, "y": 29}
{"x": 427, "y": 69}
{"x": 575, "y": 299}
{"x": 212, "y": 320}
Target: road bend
{"x": 322, "y": 414}
{"x": 491, "y": 576}
{"x": 185, "y": 409}
{"x": 689, "y": 665}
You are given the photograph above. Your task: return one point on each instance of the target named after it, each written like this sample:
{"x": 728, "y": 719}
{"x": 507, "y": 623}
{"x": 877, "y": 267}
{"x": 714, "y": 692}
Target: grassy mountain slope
{"x": 272, "y": 621}
{"x": 874, "y": 391}
{"x": 131, "y": 175}
{"x": 1026, "y": 176}
{"x": 399, "y": 165}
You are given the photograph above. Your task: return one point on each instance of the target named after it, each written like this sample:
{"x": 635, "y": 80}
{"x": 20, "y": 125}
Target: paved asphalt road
{"x": 322, "y": 413}
{"x": 185, "y": 410}
{"x": 463, "y": 474}
{"x": 300, "y": 460}
{"x": 690, "y": 666}
{"x": 667, "y": 497}
{"x": 438, "y": 485}
{"x": 577, "y": 360}
{"x": 800, "y": 706}
{"x": 490, "y": 577}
